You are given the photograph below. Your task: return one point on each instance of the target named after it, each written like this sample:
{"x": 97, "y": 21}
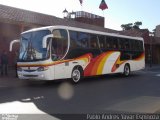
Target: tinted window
{"x": 83, "y": 40}
{"x": 93, "y": 41}
{"x": 73, "y": 39}
{"x": 108, "y": 42}
{"x": 102, "y": 42}
{"x": 79, "y": 44}
{"x": 133, "y": 48}
{"x": 121, "y": 44}
{"x": 126, "y": 44}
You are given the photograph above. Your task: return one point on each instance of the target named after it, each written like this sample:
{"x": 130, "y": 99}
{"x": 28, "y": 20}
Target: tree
{"x": 137, "y": 24}
{"x": 131, "y": 26}
{"x": 127, "y": 26}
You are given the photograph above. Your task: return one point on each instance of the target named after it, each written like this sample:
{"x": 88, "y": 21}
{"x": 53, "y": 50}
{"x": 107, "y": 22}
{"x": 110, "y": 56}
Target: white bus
{"x": 59, "y": 52}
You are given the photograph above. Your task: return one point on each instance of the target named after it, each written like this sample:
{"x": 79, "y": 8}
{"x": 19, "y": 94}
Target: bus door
{"x": 58, "y": 50}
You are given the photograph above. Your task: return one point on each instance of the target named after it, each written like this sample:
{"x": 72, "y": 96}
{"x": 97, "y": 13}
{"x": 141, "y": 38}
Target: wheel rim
{"x": 126, "y": 70}
{"x": 76, "y": 75}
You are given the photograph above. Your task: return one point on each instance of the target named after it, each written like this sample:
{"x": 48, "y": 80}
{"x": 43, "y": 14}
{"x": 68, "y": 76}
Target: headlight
{"x": 42, "y": 68}
{"x": 19, "y": 69}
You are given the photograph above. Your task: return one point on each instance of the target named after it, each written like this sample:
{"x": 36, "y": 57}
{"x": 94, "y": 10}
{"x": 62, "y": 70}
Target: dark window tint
{"x": 127, "y": 44}
{"x": 121, "y": 44}
{"x": 111, "y": 43}
{"x": 93, "y": 41}
{"x": 137, "y": 45}
{"x": 114, "y": 43}
{"x": 108, "y": 44}
{"x": 102, "y": 41}
{"x": 140, "y": 45}
{"x": 83, "y": 40}
{"x": 133, "y": 48}
{"x": 73, "y": 39}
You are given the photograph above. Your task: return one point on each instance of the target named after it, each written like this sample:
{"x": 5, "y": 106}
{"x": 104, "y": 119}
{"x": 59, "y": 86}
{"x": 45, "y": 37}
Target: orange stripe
{"x": 96, "y": 64}
{"x": 103, "y": 61}
{"x": 142, "y": 56}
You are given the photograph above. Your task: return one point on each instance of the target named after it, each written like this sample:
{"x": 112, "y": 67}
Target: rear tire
{"x": 126, "y": 71}
{"x": 76, "y": 75}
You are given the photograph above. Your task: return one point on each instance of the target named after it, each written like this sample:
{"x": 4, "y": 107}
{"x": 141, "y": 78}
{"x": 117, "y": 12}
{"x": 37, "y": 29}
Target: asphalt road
{"x": 138, "y": 93}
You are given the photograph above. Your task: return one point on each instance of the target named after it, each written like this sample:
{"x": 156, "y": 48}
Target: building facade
{"x": 157, "y": 32}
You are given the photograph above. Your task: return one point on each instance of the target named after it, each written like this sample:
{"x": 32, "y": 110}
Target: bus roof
{"x": 82, "y": 30}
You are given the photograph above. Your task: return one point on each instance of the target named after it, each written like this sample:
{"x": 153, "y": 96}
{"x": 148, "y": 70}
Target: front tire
{"x": 76, "y": 75}
{"x": 126, "y": 71}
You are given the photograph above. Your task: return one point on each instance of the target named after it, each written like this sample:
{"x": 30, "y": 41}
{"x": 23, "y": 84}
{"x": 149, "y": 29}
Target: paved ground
{"x": 138, "y": 93}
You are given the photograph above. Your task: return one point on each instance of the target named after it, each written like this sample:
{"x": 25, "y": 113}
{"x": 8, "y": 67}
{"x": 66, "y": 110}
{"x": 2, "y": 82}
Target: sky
{"x": 119, "y": 11}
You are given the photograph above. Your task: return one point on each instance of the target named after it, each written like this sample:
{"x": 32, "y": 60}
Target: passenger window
{"x": 102, "y": 42}
{"x": 108, "y": 42}
{"x": 133, "y": 46}
{"x": 121, "y": 44}
{"x": 83, "y": 40}
{"x": 126, "y": 45}
{"x": 93, "y": 41}
{"x": 115, "y": 43}
{"x": 73, "y": 39}
{"x": 141, "y": 45}
{"x": 59, "y": 44}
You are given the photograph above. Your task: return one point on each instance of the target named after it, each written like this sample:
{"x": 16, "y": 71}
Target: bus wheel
{"x": 126, "y": 71}
{"x": 76, "y": 75}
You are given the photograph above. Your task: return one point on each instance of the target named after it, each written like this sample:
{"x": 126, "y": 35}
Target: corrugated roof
{"x": 135, "y": 32}
{"x": 29, "y": 17}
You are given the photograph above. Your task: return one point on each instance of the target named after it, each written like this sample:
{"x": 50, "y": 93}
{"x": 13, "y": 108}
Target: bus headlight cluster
{"x": 42, "y": 68}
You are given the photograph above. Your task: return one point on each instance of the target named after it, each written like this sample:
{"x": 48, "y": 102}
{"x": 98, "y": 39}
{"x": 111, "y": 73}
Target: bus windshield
{"x": 31, "y": 48}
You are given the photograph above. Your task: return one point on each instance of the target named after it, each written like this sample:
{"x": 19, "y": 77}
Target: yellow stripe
{"x": 101, "y": 65}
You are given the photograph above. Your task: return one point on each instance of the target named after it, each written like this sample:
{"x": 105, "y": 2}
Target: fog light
{"x": 19, "y": 75}
{"x": 42, "y": 76}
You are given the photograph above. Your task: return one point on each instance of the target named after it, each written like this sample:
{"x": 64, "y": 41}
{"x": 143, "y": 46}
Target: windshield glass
{"x": 31, "y": 46}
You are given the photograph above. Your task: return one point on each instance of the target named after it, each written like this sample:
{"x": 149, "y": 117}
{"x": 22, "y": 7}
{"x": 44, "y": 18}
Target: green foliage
{"x": 129, "y": 26}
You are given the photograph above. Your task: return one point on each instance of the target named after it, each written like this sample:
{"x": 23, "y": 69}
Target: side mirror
{"x": 11, "y": 44}
{"x": 44, "y": 42}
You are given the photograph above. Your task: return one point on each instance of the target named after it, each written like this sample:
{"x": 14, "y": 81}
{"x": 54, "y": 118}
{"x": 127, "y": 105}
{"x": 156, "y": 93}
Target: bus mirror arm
{"x": 44, "y": 42}
{"x": 11, "y": 44}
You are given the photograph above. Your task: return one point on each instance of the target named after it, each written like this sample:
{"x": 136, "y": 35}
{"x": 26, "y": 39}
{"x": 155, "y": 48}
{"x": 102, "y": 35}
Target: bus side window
{"x": 102, "y": 42}
{"x": 93, "y": 41}
{"x": 141, "y": 45}
{"x": 59, "y": 43}
{"x": 127, "y": 45}
{"x": 74, "y": 43}
{"x": 137, "y": 46}
{"x": 83, "y": 39}
{"x": 121, "y": 44}
{"x": 132, "y": 42}
{"x": 108, "y": 42}
{"x": 115, "y": 43}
